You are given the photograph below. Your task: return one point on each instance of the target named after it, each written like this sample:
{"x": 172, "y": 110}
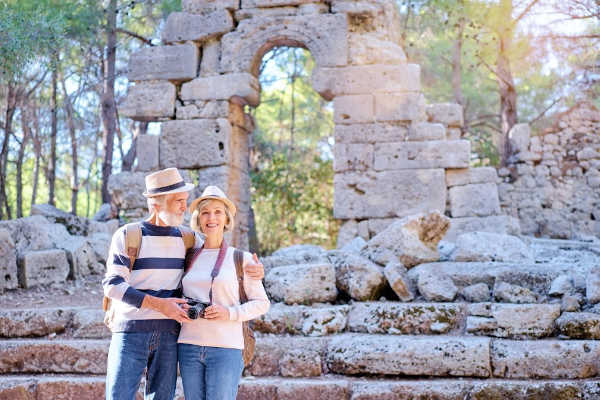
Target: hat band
{"x": 166, "y": 188}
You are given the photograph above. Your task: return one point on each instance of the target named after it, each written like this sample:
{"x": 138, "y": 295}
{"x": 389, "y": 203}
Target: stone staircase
{"x": 503, "y": 348}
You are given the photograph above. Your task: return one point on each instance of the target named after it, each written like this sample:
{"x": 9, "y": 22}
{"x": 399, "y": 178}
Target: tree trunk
{"x": 140, "y": 129}
{"x": 37, "y": 149}
{"x": 53, "y": 134}
{"x": 506, "y": 85}
{"x": 108, "y": 98}
{"x": 20, "y": 158}
{"x": 75, "y": 160}
{"x": 11, "y": 103}
{"x": 457, "y": 64}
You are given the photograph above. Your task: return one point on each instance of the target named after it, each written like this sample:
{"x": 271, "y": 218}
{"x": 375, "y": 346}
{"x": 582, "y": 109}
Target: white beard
{"x": 170, "y": 219}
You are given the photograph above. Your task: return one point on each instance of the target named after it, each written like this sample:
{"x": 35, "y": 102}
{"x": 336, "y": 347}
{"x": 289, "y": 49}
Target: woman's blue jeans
{"x": 132, "y": 352}
{"x": 209, "y": 373}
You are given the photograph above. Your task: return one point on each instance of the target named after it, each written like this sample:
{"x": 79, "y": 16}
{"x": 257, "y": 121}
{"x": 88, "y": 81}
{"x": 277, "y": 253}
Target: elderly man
{"x": 146, "y": 311}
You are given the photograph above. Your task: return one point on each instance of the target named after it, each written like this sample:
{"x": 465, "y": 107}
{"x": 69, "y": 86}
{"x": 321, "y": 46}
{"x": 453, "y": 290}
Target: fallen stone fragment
{"x": 396, "y": 275}
{"x": 302, "y": 284}
{"x": 436, "y": 287}
{"x": 577, "y": 325}
{"x": 485, "y": 246}
{"x": 476, "y": 293}
{"x": 508, "y": 293}
{"x": 357, "y": 276}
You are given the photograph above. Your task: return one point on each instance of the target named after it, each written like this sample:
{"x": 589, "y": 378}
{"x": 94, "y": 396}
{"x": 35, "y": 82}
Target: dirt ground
{"x": 85, "y": 291}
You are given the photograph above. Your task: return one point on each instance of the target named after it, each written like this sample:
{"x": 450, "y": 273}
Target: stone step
{"x": 347, "y": 354}
{"x": 503, "y": 320}
{"x": 329, "y": 387}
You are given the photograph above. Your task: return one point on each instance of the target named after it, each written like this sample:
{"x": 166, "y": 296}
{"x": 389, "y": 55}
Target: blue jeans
{"x": 132, "y": 352}
{"x": 209, "y": 373}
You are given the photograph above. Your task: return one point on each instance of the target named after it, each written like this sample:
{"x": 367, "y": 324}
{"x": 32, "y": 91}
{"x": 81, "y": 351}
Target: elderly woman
{"x": 210, "y": 347}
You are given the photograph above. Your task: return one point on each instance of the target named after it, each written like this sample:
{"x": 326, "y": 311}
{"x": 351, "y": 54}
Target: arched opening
{"x": 291, "y": 157}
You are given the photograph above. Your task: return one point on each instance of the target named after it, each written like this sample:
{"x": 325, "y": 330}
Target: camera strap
{"x": 216, "y": 268}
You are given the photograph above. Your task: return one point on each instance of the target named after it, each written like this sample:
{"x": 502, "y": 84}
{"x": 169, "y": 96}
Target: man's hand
{"x": 256, "y": 269}
{"x": 171, "y": 307}
{"x": 217, "y": 313}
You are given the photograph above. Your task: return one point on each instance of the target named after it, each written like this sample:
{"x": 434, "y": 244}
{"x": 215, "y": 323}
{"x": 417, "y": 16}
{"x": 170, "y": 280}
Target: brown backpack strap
{"x": 133, "y": 241}
{"x": 189, "y": 238}
{"x": 238, "y": 258}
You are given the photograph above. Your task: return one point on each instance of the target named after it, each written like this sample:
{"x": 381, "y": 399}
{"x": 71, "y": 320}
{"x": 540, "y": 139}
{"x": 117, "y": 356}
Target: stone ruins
{"x": 433, "y": 292}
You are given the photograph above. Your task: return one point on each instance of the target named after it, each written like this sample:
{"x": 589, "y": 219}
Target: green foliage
{"x": 27, "y": 35}
{"x": 292, "y": 175}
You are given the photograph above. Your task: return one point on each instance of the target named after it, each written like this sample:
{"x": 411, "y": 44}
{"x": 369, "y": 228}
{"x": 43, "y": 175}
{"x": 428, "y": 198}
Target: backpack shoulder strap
{"x": 133, "y": 241}
{"x": 189, "y": 237}
{"x": 238, "y": 258}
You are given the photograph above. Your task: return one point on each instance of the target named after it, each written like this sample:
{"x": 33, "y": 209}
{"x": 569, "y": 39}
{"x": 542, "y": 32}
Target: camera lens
{"x": 192, "y": 313}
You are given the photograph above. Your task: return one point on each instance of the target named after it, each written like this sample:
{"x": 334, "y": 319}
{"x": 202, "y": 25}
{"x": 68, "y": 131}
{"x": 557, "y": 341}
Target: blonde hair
{"x": 195, "y": 225}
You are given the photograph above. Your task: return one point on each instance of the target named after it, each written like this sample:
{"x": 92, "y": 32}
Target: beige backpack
{"x": 133, "y": 241}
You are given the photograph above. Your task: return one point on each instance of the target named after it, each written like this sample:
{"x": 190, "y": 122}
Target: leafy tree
{"x": 292, "y": 171}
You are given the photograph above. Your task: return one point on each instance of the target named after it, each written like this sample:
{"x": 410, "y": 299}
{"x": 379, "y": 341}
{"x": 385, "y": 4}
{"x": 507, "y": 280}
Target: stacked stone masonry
{"x": 552, "y": 184}
{"x": 392, "y": 149}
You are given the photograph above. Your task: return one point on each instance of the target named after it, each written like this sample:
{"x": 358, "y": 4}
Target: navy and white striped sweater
{"x": 157, "y": 271}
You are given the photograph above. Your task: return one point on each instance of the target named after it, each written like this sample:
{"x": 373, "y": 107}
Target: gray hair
{"x": 160, "y": 201}
{"x": 195, "y": 225}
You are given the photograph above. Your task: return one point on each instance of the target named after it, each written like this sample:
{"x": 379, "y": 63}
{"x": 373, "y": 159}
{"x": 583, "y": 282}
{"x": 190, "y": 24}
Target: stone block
{"x": 148, "y": 101}
{"x": 592, "y": 286}
{"x": 584, "y": 325}
{"x": 274, "y": 3}
{"x": 42, "y": 267}
{"x": 208, "y": 6}
{"x": 357, "y": 276}
{"x": 426, "y": 131}
{"x": 478, "y": 292}
{"x": 418, "y": 155}
{"x": 353, "y": 109}
{"x": 475, "y": 200}
{"x": 181, "y": 26}
{"x": 396, "y": 275}
{"x": 409, "y": 355}
{"x": 223, "y": 87}
{"x": 256, "y": 13}
{"x": 388, "y": 193}
{"x": 354, "y": 246}
{"x": 518, "y": 321}
{"x": 305, "y": 389}
{"x": 399, "y": 107}
{"x": 366, "y": 79}
{"x": 468, "y": 176}
{"x": 449, "y": 114}
{"x": 46, "y": 357}
{"x": 411, "y": 240}
{"x": 8, "y": 264}
{"x": 147, "y": 152}
{"x": 324, "y": 35}
{"x": 502, "y": 224}
{"x": 353, "y": 157}
{"x": 82, "y": 258}
{"x": 453, "y": 133}
{"x": 510, "y": 293}
{"x": 204, "y": 110}
{"x": 301, "y": 284}
{"x": 89, "y": 323}
{"x": 405, "y": 318}
{"x": 33, "y": 322}
{"x": 34, "y": 233}
{"x": 485, "y": 246}
{"x": 126, "y": 189}
{"x": 348, "y": 231}
{"x": 369, "y": 133}
{"x": 195, "y": 143}
{"x": 300, "y": 363}
{"x": 371, "y": 48}
{"x": 211, "y": 54}
{"x": 545, "y": 359}
{"x": 178, "y": 62}
{"x": 436, "y": 286}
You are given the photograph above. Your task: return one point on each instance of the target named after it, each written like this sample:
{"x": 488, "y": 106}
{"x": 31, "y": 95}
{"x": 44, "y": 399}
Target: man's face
{"x": 175, "y": 207}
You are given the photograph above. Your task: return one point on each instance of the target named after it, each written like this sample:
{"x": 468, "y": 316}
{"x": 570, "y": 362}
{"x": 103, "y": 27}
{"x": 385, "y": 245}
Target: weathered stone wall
{"x": 393, "y": 155}
{"x": 553, "y": 183}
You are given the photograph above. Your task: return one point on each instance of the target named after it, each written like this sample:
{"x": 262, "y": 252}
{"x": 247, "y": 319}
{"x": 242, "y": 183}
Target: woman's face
{"x": 212, "y": 218}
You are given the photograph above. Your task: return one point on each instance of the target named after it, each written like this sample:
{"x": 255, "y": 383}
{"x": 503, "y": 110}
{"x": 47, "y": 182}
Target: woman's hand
{"x": 255, "y": 269}
{"x": 217, "y": 313}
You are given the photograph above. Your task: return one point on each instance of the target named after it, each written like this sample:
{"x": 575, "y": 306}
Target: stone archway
{"x": 391, "y": 152}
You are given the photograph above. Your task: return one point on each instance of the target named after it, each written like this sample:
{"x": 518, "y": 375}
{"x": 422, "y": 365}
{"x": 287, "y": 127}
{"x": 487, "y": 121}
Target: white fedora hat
{"x": 165, "y": 181}
{"x": 213, "y": 193}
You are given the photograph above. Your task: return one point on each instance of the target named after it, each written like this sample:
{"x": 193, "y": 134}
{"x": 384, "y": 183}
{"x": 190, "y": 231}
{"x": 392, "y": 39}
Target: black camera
{"x": 196, "y": 309}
